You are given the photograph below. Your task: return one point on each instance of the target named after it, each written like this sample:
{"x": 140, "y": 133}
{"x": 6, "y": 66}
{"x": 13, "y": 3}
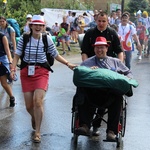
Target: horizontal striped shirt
{"x": 34, "y": 51}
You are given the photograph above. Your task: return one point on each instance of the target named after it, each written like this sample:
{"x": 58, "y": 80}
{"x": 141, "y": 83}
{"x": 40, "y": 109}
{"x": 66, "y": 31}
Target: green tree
{"x": 18, "y": 9}
{"x": 135, "y": 5}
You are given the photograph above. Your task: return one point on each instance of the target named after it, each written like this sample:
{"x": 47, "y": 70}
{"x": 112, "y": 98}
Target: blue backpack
{"x": 13, "y": 23}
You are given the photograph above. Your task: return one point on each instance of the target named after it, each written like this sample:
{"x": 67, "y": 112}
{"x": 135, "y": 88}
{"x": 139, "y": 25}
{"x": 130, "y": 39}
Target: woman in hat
{"x": 26, "y": 28}
{"x": 35, "y": 75}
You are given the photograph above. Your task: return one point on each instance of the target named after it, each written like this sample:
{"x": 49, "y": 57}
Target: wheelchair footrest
{"x": 109, "y": 140}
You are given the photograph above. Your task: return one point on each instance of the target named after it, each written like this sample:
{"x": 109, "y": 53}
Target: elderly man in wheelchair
{"x": 102, "y": 97}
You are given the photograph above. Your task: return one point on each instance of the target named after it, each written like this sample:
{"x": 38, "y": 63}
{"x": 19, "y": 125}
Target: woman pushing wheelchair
{"x": 101, "y": 96}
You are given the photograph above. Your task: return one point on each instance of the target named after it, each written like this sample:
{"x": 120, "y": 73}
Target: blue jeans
{"x": 128, "y": 55}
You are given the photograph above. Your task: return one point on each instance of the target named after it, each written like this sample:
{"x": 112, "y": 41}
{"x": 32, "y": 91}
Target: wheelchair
{"x": 121, "y": 125}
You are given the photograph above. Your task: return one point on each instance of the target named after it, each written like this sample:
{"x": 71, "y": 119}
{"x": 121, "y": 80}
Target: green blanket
{"x": 103, "y": 78}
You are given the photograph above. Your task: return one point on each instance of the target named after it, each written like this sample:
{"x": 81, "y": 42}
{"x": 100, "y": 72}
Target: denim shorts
{"x": 66, "y": 38}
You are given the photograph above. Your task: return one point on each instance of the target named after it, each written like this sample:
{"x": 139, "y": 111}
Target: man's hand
{"x": 94, "y": 67}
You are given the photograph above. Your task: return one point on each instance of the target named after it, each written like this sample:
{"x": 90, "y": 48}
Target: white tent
{"x": 55, "y": 15}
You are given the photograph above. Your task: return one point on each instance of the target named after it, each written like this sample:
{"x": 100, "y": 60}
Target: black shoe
{"x": 95, "y": 131}
{"x": 83, "y": 130}
{"x": 69, "y": 48}
{"x": 58, "y": 44}
{"x": 12, "y": 102}
{"x": 63, "y": 53}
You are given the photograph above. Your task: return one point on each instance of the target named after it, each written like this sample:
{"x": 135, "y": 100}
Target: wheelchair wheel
{"x": 75, "y": 125}
{"x": 123, "y": 116}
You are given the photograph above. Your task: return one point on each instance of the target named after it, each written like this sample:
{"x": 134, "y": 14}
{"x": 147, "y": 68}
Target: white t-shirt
{"x": 146, "y": 22}
{"x": 55, "y": 28}
{"x": 69, "y": 19}
{"x": 126, "y": 32}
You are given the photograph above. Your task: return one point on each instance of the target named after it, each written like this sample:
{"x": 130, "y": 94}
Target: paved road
{"x": 15, "y": 126}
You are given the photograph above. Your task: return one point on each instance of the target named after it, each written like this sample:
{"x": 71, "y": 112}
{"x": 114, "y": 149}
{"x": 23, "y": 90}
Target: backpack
{"x": 14, "y": 24}
{"x": 50, "y": 59}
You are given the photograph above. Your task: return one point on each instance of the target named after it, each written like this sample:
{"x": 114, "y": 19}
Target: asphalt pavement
{"x": 15, "y": 123}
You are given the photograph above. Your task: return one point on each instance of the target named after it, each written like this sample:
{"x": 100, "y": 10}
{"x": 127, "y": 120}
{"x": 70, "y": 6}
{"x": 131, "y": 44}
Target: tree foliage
{"x": 18, "y": 9}
{"x": 135, "y": 5}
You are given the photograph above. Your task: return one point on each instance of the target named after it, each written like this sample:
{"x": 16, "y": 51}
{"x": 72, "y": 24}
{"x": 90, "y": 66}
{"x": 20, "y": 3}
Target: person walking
{"x": 127, "y": 31}
{"x": 26, "y": 28}
{"x": 141, "y": 32}
{"x": 5, "y": 64}
{"x": 35, "y": 73}
{"x": 64, "y": 34}
{"x": 5, "y": 29}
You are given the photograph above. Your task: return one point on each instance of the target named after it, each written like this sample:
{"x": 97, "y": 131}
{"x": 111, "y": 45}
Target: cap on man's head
{"x": 100, "y": 41}
{"x": 37, "y": 19}
{"x": 29, "y": 16}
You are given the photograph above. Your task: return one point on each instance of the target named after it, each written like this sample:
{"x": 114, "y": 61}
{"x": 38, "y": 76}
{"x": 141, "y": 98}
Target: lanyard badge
{"x": 31, "y": 70}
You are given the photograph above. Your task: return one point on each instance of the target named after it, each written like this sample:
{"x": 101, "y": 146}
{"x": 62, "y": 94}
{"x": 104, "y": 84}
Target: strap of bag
{"x": 44, "y": 38}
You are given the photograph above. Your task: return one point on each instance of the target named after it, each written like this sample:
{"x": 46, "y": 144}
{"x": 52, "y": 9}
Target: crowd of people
{"x": 108, "y": 38}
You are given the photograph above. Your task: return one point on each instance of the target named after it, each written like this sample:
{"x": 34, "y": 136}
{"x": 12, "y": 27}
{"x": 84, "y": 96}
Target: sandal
{"x": 33, "y": 123}
{"x": 37, "y": 138}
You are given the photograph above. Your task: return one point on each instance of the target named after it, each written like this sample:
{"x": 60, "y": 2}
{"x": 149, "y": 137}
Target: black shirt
{"x": 2, "y": 49}
{"x": 112, "y": 39}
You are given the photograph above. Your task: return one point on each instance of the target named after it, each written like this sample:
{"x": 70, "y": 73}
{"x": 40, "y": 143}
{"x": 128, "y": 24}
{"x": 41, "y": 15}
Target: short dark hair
{"x": 118, "y": 9}
{"x": 73, "y": 13}
{"x": 42, "y": 13}
{"x": 102, "y": 13}
{"x": 85, "y": 14}
{"x": 124, "y": 15}
{"x": 114, "y": 26}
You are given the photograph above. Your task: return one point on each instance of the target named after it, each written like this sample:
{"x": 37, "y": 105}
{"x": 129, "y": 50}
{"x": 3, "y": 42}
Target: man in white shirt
{"x": 127, "y": 31}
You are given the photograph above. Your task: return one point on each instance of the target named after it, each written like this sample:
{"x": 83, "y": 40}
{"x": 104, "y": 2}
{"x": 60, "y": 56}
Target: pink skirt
{"x": 37, "y": 81}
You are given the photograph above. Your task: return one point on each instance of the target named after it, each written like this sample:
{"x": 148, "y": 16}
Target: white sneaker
{"x": 140, "y": 57}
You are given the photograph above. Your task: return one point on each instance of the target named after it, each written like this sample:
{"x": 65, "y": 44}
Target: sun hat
{"x": 37, "y": 19}
{"x": 145, "y": 13}
{"x": 29, "y": 16}
{"x": 100, "y": 41}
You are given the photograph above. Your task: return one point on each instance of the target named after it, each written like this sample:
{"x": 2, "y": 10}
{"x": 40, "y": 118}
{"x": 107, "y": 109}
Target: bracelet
{"x": 67, "y": 63}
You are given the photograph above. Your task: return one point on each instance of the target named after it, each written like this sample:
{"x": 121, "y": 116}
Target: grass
{"x": 75, "y": 49}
